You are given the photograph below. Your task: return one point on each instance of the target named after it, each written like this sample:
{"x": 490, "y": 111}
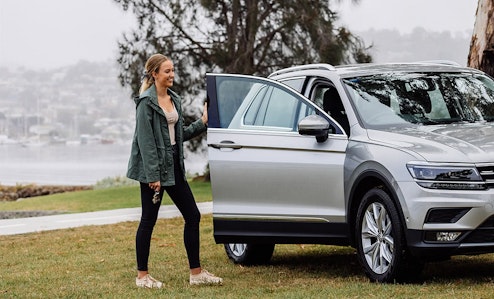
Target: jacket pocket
{"x": 162, "y": 162}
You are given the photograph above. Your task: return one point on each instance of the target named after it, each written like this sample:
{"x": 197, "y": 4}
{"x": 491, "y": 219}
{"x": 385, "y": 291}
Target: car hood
{"x": 471, "y": 142}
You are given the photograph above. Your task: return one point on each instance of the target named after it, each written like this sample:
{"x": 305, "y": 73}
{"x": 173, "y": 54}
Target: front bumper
{"x": 431, "y": 211}
{"x": 477, "y": 241}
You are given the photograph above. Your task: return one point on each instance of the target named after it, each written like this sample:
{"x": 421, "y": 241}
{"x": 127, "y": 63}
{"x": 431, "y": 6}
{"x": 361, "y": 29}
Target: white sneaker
{"x": 205, "y": 278}
{"x": 148, "y": 282}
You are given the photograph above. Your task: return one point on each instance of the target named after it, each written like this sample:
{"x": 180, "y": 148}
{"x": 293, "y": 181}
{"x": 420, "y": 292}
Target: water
{"x": 70, "y": 165}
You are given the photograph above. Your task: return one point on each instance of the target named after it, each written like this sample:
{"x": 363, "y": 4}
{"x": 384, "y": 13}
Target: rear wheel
{"x": 249, "y": 254}
{"x": 381, "y": 246}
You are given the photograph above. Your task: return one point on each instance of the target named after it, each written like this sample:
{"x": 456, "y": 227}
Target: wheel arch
{"x": 366, "y": 181}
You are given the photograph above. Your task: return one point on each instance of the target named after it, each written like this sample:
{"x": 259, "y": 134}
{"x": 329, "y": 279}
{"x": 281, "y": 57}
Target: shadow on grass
{"x": 343, "y": 263}
{"x": 320, "y": 262}
{"x": 468, "y": 269}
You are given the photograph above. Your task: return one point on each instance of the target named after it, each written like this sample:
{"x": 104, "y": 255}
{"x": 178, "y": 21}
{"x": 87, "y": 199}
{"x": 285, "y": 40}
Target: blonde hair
{"x": 152, "y": 66}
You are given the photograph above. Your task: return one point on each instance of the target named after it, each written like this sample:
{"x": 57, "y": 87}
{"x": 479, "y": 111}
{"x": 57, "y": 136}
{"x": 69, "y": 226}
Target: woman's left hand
{"x": 156, "y": 186}
{"x": 204, "y": 116}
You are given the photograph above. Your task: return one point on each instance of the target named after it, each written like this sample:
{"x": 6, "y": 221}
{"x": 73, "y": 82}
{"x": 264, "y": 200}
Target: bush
{"x": 12, "y": 193}
{"x": 118, "y": 181}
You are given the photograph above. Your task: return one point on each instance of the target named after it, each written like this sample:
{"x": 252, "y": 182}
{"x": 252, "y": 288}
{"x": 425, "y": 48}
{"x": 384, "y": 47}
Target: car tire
{"x": 249, "y": 254}
{"x": 380, "y": 241}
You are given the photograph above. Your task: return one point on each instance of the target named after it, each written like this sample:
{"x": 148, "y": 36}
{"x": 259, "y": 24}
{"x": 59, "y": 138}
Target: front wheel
{"x": 381, "y": 246}
{"x": 249, "y": 254}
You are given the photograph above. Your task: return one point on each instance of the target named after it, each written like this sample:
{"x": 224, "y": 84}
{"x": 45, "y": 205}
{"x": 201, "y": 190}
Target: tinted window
{"x": 250, "y": 103}
{"x": 230, "y": 93}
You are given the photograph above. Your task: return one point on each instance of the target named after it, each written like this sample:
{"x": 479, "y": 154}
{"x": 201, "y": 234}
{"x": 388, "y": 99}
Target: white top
{"x": 172, "y": 119}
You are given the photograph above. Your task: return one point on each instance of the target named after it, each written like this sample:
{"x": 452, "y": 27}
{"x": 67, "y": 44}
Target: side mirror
{"x": 314, "y": 125}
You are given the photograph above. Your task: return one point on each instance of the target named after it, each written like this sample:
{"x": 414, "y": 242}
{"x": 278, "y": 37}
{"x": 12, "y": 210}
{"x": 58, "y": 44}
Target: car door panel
{"x": 299, "y": 179}
{"x": 263, "y": 172}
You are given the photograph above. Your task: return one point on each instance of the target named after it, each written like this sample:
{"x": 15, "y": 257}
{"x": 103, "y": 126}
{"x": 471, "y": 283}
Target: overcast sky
{"x": 53, "y": 33}
{"x": 404, "y": 15}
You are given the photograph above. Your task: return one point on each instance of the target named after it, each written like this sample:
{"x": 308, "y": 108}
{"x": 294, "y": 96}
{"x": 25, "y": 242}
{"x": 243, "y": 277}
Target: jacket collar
{"x": 153, "y": 98}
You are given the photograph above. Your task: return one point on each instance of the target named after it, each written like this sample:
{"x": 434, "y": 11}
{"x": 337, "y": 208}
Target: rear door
{"x": 267, "y": 178}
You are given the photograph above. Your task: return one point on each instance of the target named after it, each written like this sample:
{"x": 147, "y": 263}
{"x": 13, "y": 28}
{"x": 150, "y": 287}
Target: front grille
{"x": 483, "y": 234}
{"x": 480, "y": 236}
{"x": 487, "y": 174}
{"x": 488, "y": 223}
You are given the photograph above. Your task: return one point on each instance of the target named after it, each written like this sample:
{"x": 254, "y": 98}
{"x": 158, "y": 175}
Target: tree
{"x": 237, "y": 36}
{"x": 234, "y": 36}
{"x": 481, "y": 54}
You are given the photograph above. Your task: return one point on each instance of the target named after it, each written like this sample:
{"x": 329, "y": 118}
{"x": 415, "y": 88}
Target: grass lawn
{"x": 99, "y": 262}
{"x": 96, "y": 200}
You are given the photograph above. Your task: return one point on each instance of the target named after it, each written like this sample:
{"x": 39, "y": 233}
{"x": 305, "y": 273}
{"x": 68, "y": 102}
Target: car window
{"x": 317, "y": 95}
{"x": 279, "y": 110}
{"x": 295, "y": 83}
{"x": 273, "y": 108}
{"x": 253, "y": 104}
{"x": 252, "y": 113}
{"x": 326, "y": 96}
{"x": 230, "y": 93}
{"x": 422, "y": 98}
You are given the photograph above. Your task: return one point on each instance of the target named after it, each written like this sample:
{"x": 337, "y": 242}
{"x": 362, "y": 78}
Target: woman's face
{"x": 164, "y": 76}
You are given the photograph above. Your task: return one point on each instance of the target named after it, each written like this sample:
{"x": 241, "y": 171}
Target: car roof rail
{"x": 313, "y": 66}
{"x": 444, "y": 62}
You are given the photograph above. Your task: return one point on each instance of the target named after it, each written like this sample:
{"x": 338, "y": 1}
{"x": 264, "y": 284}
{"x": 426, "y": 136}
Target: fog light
{"x": 447, "y": 236}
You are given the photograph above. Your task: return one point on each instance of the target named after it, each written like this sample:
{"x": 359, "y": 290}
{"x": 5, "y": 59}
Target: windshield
{"x": 422, "y": 98}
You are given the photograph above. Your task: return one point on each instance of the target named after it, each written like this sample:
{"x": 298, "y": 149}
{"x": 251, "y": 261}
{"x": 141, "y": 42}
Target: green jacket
{"x": 151, "y": 157}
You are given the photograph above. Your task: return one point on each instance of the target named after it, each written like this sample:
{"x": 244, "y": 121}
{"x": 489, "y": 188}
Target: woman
{"x": 157, "y": 162}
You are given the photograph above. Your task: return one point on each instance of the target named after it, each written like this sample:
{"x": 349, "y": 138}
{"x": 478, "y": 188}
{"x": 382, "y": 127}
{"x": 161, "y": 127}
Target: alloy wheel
{"x": 376, "y": 237}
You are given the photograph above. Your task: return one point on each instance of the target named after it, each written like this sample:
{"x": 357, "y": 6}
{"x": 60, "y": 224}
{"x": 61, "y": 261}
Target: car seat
{"x": 333, "y": 106}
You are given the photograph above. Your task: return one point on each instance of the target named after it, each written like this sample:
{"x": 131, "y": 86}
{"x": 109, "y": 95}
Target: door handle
{"x": 226, "y": 144}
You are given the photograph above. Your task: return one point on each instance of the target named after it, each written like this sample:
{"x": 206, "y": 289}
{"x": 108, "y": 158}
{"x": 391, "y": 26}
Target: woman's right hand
{"x": 156, "y": 186}
{"x": 204, "y": 116}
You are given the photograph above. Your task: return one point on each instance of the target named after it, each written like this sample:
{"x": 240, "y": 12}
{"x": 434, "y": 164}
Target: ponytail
{"x": 147, "y": 81}
{"x": 152, "y": 66}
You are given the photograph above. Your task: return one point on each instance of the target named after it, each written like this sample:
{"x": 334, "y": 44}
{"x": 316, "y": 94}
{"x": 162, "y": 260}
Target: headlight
{"x": 447, "y": 177}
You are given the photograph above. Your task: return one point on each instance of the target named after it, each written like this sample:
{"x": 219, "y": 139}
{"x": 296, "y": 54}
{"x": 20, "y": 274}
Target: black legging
{"x": 183, "y": 198}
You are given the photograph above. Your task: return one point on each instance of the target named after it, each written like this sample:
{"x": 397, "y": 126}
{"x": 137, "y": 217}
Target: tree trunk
{"x": 481, "y": 54}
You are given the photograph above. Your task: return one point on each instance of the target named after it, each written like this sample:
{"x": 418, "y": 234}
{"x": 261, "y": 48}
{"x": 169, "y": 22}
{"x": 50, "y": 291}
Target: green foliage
{"x": 247, "y": 37}
{"x": 112, "y": 182}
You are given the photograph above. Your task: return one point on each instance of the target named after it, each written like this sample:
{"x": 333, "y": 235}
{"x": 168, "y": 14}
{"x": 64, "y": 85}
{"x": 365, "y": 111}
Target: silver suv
{"x": 396, "y": 160}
